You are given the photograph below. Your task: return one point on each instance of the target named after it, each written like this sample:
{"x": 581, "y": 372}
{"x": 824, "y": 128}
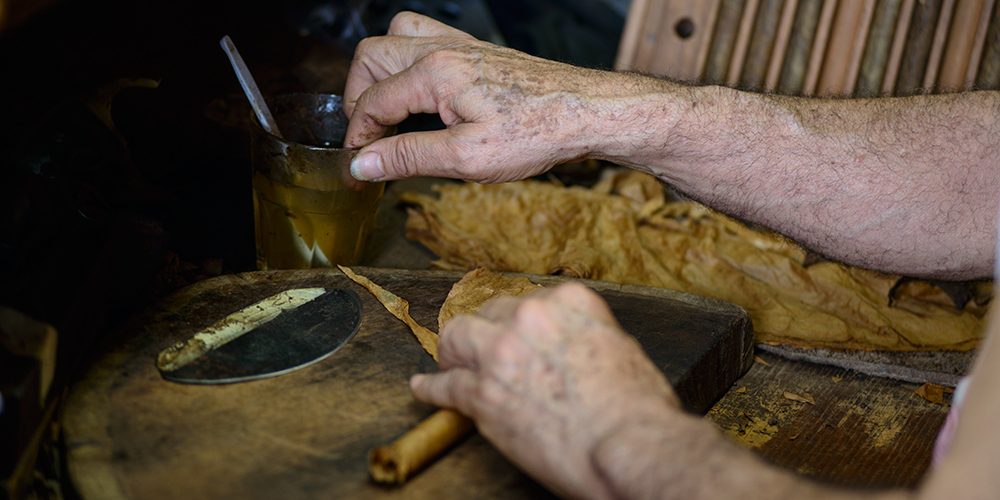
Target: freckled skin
{"x": 905, "y": 185}
{"x": 823, "y": 172}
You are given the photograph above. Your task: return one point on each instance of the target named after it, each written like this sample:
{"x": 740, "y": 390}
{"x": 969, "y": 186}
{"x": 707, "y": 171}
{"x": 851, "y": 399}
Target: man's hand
{"x": 546, "y": 378}
{"x": 509, "y": 115}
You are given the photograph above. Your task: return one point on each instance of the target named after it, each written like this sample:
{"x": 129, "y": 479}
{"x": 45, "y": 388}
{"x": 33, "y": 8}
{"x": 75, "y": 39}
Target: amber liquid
{"x": 299, "y": 228}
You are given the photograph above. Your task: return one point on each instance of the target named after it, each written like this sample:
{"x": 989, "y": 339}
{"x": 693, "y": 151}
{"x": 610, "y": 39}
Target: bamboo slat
{"x": 918, "y": 47}
{"x": 877, "y": 48}
{"x": 720, "y": 52}
{"x": 989, "y": 67}
{"x": 800, "y": 43}
{"x": 816, "y": 59}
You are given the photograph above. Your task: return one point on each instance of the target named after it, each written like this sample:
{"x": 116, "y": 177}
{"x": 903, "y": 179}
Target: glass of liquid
{"x": 308, "y": 210}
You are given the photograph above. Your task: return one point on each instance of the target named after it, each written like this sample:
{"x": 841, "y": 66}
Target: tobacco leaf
{"x": 623, "y": 230}
{"x": 476, "y": 288}
{"x": 931, "y": 392}
{"x": 400, "y": 309}
{"x": 804, "y": 398}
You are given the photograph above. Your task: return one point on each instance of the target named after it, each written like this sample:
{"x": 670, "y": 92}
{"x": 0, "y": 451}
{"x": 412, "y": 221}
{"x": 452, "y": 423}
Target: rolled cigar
{"x": 418, "y": 447}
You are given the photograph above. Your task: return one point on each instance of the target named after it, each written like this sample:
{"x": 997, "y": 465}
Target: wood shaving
{"x": 804, "y": 398}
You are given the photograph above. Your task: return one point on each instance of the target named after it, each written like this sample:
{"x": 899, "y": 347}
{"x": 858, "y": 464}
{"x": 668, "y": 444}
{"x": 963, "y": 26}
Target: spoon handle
{"x": 250, "y": 87}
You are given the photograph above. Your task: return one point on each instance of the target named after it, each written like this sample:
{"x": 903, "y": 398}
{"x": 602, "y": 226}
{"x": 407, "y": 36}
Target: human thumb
{"x": 412, "y": 154}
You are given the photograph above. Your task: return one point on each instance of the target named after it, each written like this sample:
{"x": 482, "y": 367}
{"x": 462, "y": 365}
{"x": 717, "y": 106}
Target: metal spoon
{"x": 249, "y": 87}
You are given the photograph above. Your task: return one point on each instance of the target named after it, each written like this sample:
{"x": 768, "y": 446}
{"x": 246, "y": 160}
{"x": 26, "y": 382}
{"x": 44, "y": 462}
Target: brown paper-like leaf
{"x": 622, "y": 230}
{"x": 476, "y": 288}
{"x": 931, "y": 392}
{"x": 400, "y": 309}
{"x": 804, "y": 398}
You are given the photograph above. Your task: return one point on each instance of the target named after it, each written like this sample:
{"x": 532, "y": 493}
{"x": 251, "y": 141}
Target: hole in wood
{"x": 684, "y": 27}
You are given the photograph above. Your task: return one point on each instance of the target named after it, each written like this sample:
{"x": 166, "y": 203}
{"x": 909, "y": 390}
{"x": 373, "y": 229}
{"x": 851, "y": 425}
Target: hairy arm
{"x": 902, "y": 185}
{"x": 888, "y": 184}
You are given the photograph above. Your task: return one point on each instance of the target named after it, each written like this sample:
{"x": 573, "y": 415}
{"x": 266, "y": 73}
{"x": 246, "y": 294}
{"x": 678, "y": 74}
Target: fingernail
{"x": 367, "y": 167}
{"x": 416, "y": 380}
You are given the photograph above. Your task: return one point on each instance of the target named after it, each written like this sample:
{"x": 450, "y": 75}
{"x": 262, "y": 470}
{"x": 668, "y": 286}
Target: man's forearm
{"x": 685, "y": 457}
{"x": 906, "y": 176}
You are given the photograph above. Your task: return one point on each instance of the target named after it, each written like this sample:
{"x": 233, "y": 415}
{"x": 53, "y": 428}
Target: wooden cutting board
{"x": 130, "y": 434}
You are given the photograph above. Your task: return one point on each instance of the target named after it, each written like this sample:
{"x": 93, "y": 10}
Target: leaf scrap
{"x": 931, "y": 392}
{"x": 761, "y": 361}
{"x": 804, "y": 398}
{"x": 400, "y": 309}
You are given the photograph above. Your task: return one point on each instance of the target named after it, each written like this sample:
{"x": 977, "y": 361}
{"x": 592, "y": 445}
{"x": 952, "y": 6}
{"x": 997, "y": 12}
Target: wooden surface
{"x": 863, "y": 431}
{"x": 654, "y": 41}
{"x": 131, "y": 434}
{"x": 863, "y": 48}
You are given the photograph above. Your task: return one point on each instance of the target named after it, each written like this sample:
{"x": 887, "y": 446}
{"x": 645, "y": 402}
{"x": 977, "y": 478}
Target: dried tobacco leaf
{"x": 804, "y": 398}
{"x": 931, "y": 392}
{"x": 400, "y": 309}
{"x": 623, "y": 231}
{"x": 476, "y": 288}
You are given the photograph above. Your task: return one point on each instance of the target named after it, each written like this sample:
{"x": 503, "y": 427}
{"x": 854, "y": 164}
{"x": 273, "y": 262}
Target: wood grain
{"x": 628, "y": 46}
{"x": 862, "y": 432}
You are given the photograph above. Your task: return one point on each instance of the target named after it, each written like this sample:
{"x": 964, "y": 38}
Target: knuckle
{"x": 406, "y": 154}
{"x": 466, "y": 164}
{"x": 489, "y": 394}
{"x": 401, "y": 20}
{"x": 444, "y": 58}
{"x": 508, "y": 350}
{"x": 362, "y": 49}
